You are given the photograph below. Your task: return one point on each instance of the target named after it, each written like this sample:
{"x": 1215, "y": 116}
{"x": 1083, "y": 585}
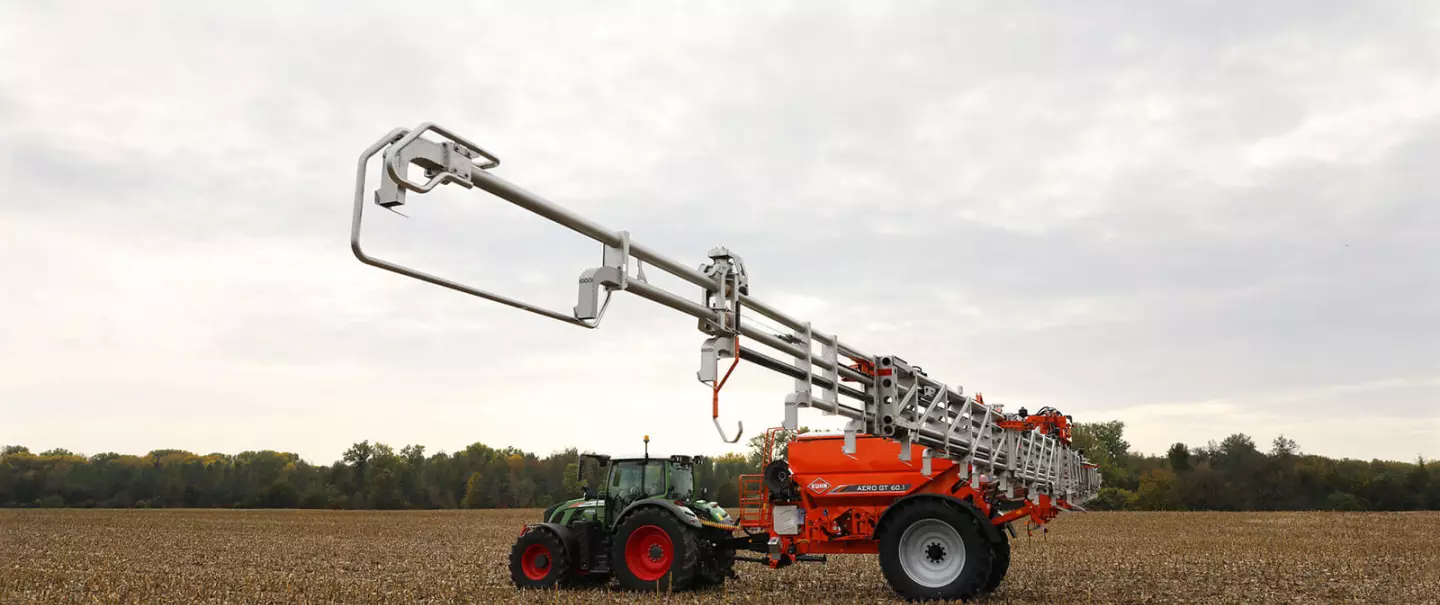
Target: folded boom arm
{"x": 892, "y": 398}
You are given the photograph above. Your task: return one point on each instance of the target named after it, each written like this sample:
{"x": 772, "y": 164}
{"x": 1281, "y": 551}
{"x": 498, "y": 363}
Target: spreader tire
{"x": 999, "y": 562}
{"x": 933, "y": 549}
{"x": 539, "y": 560}
{"x": 653, "y": 550}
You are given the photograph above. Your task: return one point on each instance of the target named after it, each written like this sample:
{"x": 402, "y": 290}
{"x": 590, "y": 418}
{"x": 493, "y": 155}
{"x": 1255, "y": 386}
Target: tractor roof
{"x": 676, "y": 458}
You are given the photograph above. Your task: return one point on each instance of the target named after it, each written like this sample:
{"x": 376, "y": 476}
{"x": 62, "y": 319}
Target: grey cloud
{"x": 1102, "y": 209}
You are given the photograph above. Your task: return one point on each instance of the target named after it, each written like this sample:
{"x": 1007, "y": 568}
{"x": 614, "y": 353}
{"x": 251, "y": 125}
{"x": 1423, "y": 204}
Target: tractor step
{"x": 601, "y": 561}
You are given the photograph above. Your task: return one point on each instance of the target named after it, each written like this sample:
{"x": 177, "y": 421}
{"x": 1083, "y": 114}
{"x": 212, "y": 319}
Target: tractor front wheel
{"x": 539, "y": 560}
{"x": 654, "y": 551}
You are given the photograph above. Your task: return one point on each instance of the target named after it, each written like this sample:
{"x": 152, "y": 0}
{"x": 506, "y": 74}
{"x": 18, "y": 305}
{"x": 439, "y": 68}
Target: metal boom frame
{"x": 895, "y": 400}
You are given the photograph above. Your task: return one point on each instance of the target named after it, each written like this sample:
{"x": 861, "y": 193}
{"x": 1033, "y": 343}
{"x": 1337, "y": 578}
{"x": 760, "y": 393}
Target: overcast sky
{"x": 1198, "y": 219}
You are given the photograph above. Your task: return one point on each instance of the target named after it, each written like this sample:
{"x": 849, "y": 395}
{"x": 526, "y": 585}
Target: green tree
{"x": 570, "y": 484}
{"x": 358, "y": 459}
{"x": 474, "y": 492}
{"x": 1158, "y": 490}
{"x": 781, "y": 447}
{"x": 1237, "y": 449}
{"x": 279, "y": 494}
{"x": 1105, "y": 446}
{"x": 1417, "y": 482}
{"x": 1344, "y": 501}
{"x": 384, "y": 477}
{"x": 1110, "y": 436}
{"x": 1283, "y": 446}
{"x": 1113, "y": 498}
{"x": 1179, "y": 458}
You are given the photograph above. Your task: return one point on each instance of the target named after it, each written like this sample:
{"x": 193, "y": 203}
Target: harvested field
{"x": 210, "y": 556}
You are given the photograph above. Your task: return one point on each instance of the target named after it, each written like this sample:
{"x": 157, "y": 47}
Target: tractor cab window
{"x": 655, "y": 478}
{"x": 682, "y": 482}
{"x": 636, "y": 479}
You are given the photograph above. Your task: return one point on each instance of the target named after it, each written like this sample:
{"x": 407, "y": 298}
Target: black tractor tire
{"x": 653, "y": 550}
{"x": 918, "y": 551}
{"x": 999, "y": 562}
{"x": 539, "y": 560}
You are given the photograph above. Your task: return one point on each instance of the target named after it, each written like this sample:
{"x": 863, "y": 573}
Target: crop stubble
{"x": 215, "y": 556}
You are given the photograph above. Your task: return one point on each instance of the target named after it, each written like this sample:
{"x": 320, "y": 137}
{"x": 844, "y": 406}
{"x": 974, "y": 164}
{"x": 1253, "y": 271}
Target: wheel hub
{"x": 932, "y": 553}
{"x": 649, "y": 553}
{"x": 535, "y": 561}
{"x": 935, "y": 552}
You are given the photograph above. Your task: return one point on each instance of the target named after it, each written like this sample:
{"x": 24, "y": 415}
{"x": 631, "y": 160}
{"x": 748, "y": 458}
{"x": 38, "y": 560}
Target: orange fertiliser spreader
{"x": 820, "y": 500}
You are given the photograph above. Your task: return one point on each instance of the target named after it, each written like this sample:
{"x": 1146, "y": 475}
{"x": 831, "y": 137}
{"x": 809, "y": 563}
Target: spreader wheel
{"x": 933, "y": 549}
{"x": 654, "y": 551}
{"x": 999, "y": 562}
{"x": 539, "y": 560}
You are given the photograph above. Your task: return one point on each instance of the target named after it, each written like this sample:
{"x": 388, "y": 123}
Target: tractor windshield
{"x": 635, "y": 479}
{"x": 682, "y": 482}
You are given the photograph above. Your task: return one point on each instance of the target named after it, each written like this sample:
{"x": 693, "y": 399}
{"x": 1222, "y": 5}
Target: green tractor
{"x": 646, "y": 527}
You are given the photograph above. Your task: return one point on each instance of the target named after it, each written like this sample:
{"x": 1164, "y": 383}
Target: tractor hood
{"x": 711, "y": 511}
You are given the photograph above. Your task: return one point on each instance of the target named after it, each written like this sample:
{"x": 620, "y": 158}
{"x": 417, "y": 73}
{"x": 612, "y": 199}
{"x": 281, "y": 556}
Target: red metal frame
{"x": 1049, "y": 421}
{"x": 754, "y": 496}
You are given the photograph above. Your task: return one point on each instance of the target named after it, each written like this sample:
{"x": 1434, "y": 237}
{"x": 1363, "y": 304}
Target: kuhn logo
{"x": 819, "y": 485}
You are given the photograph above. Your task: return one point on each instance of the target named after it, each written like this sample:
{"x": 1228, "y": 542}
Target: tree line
{"x": 1231, "y": 475}
{"x": 368, "y": 476}
{"x": 1235, "y": 474}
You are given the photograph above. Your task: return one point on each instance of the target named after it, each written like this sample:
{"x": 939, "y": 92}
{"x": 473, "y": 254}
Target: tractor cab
{"x": 627, "y": 481}
{"x": 634, "y": 479}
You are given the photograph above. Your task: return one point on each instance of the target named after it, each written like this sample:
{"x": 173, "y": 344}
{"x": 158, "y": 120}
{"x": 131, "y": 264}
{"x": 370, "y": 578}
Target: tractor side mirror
{"x": 586, "y": 493}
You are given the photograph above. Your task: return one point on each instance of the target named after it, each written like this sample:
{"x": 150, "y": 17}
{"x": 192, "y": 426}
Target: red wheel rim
{"x": 529, "y": 562}
{"x": 648, "y": 553}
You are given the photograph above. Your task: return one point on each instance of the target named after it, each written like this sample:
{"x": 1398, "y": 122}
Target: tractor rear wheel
{"x": 539, "y": 560}
{"x": 934, "y": 549}
{"x": 653, "y": 550}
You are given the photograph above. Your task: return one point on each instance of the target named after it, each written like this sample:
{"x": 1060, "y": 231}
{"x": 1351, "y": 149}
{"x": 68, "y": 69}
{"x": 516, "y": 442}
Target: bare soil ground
{"x": 212, "y": 556}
